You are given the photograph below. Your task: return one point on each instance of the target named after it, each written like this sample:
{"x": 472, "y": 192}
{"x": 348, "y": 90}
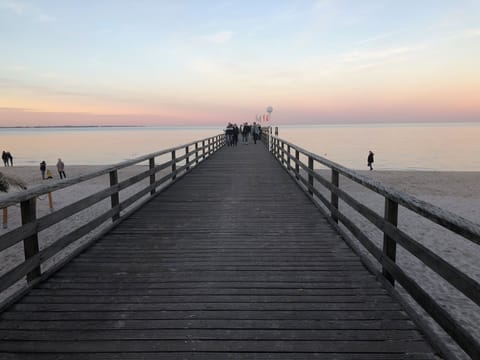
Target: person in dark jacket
{"x": 370, "y": 159}
{"x": 43, "y": 168}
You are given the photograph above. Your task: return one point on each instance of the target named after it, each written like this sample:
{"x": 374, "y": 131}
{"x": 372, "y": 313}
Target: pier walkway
{"x": 233, "y": 261}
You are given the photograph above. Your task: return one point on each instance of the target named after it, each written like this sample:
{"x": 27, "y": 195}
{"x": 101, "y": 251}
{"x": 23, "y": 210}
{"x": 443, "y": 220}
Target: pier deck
{"x": 231, "y": 262}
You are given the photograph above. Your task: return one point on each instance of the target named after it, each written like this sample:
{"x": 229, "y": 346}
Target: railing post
{"x": 151, "y": 165}
{"x": 28, "y": 211}
{"x": 310, "y": 176}
{"x": 209, "y": 146}
{"x": 187, "y": 160}
{"x": 389, "y": 245}
{"x": 297, "y": 165}
{"x": 289, "y": 166}
{"x": 114, "y": 198}
{"x": 174, "y": 165}
{"x": 50, "y": 201}
{"x": 196, "y": 153}
{"x": 270, "y": 139}
{"x": 282, "y": 150}
{"x": 203, "y": 149}
{"x": 334, "y": 197}
{"x": 276, "y": 130}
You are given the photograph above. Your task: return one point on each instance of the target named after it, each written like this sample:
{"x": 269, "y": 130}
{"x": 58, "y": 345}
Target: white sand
{"x": 458, "y": 192}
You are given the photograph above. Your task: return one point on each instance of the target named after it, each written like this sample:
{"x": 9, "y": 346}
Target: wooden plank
{"x": 392, "y": 346}
{"x": 290, "y": 315}
{"x": 210, "y": 334}
{"x": 216, "y": 356}
{"x": 352, "y": 325}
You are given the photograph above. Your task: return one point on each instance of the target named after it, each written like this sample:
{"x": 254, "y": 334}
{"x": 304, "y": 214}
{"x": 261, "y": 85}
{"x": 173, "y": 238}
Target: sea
{"x": 432, "y": 146}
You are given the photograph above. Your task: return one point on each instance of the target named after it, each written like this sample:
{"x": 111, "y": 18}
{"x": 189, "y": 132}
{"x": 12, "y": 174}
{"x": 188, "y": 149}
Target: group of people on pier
{"x": 232, "y": 131}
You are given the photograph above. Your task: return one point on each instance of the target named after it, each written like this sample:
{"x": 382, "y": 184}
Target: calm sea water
{"x": 452, "y": 147}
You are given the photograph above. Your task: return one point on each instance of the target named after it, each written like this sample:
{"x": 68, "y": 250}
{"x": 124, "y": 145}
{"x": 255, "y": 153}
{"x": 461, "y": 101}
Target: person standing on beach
{"x": 370, "y": 159}
{"x": 61, "y": 169}
{"x": 9, "y": 158}
{"x": 43, "y": 168}
{"x": 5, "y": 158}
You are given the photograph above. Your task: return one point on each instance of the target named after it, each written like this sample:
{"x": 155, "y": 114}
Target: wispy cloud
{"x": 13, "y": 5}
{"x": 27, "y": 10}
{"x": 12, "y": 109}
{"x": 44, "y": 18}
{"x": 220, "y": 37}
{"x": 377, "y": 38}
{"x": 468, "y": 34}
{"x": 380, "y": 54}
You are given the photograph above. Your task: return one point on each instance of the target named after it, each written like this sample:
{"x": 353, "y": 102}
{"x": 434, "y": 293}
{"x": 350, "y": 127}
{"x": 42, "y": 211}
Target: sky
{"x": 155, "y": 62}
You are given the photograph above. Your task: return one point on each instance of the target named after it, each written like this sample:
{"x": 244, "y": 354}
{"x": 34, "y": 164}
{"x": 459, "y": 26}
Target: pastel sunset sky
{"x": 176, "y": 62}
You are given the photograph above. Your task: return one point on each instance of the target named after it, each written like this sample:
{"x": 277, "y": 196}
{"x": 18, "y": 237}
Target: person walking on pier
{"x": 236, "y": 131}
{"x": 61, "y": 168}
{"x": 370, "y": 159}
{"x": 229, "y": 134}
{"x": 245, "y": 132}
{"x": 255, "y": 132}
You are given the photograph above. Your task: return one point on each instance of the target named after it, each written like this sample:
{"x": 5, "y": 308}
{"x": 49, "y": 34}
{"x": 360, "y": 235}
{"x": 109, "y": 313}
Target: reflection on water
{"x": 396, "y": 146}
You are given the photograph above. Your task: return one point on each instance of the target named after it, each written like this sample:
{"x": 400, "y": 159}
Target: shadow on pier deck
{"x": 231, "y": 262}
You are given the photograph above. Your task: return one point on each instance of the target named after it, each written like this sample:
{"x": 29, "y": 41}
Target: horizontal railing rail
{"x": 176, "y": 162}
{"x": 290, "y": 156}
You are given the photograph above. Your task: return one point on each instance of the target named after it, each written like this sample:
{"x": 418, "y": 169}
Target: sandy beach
{"x": 458, "y": 192}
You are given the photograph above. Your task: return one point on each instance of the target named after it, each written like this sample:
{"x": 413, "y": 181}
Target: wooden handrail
{"x": 445, "y": 218}
{"x": 32, "y": 225}
{"x": 391, "y": 271}
{"x": 39, "y": 190}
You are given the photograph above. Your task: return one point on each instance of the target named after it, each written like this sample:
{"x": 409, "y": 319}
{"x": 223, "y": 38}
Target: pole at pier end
{"x": 269, "y": 111}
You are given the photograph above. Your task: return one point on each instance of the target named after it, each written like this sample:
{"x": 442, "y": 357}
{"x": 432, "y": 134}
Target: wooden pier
{"x": 232, "y": 261}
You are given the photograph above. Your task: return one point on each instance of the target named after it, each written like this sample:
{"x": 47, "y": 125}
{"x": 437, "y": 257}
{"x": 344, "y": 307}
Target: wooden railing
{"x": 302, "y": 164}
{"x": 176, "y": 162}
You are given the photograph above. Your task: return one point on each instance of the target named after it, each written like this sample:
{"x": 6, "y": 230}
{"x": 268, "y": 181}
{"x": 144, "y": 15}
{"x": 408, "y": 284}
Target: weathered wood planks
{"x": 231, "y": 262}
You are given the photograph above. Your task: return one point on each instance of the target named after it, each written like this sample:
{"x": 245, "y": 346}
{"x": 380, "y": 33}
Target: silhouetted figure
{"x": 5, "y": 158}
{"x": 245, "y": 133}
{"x": 9, "y": 158}
{"x": 43, "y": 168}
{"x": 61, "y": 169}
{"x": 236, "y": 131}
{"x": 229, "y": 134}
{"x": 256, "y": 132}
{"x": 370, "y": 159}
